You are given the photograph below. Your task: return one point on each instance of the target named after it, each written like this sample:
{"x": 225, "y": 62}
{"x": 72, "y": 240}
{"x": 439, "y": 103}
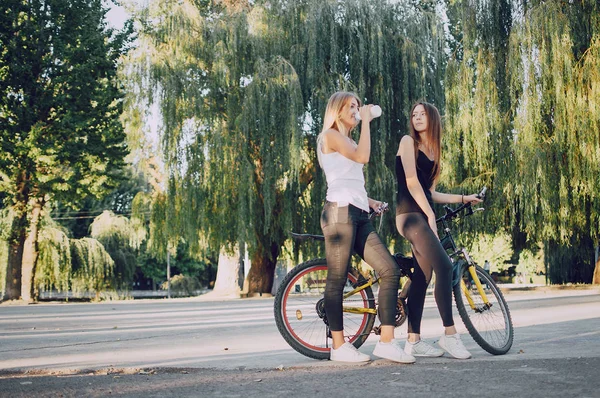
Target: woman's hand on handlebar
{"x": 377, "y": 206}
{"x": 472, "y": 199}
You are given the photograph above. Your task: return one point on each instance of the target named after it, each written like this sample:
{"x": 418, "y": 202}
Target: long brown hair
{"x": 434, "y": 134}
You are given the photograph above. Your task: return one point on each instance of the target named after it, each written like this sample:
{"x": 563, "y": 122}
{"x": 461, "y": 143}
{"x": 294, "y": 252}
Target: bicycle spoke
{"x": 488, "y": 321}
{"x": 300, "y": 313}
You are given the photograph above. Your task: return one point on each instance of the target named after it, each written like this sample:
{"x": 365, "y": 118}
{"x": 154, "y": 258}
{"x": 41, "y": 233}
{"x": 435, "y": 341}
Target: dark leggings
{"x": 428, "y": 256}
{"x": 348, "y": 228}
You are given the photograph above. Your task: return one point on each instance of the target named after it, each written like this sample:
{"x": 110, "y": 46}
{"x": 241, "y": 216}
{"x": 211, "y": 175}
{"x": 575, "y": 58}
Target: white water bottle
{"x": 375, "y": 112}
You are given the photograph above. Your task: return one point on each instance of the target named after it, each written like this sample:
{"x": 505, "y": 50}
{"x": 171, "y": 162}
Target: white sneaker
{"x": 393, "y": 352}
{"x": 348, "y": 353}
{"x": 454, "y": 346}
{"x": 422, "y": 349}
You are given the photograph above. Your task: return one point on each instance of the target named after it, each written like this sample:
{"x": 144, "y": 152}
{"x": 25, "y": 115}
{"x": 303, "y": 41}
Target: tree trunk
{"x": 30, "y": 255}
{"x": 12, "y": 289}
{"x": 596, "y": 277}
{"x": 262, "y": 270}
{"x": 227, "y": 281}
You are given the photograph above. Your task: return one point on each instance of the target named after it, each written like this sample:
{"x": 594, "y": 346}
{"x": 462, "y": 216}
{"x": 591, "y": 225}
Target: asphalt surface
{"x": 231, "y": 348}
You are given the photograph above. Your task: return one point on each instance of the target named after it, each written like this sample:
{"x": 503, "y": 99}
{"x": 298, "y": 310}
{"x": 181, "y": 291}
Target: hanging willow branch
{"x": 522, "y": 112}
{"x": 121, "y": 237}
{"x": 53, "y": 269}
{"x": 93, "y": 268}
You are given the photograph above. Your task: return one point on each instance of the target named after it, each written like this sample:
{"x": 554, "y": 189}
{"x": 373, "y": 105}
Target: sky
{"x": 116, "y": 16}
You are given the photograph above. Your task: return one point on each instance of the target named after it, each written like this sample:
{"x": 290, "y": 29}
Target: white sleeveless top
{"x": 345, "y": 179}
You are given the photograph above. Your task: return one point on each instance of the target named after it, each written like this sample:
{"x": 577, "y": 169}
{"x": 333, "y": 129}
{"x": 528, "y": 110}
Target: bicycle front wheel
{"x": 487, "y": 319}
{"x": 300, "y": 310}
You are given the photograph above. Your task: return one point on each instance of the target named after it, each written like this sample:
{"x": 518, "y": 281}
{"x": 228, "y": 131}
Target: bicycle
{"x": 300, "y": 311}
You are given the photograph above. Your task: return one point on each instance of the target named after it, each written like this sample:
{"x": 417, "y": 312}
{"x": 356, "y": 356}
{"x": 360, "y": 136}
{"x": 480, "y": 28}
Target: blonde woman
{"x": 417, "y": 171}
{"x": 347, "y": 228}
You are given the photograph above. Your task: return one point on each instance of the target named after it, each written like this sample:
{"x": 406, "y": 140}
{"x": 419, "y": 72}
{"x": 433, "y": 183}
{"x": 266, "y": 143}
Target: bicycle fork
{"x": 478, "y": 285}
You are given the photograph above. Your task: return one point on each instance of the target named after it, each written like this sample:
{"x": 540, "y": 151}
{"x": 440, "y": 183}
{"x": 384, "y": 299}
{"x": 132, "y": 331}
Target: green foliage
{"x": 93, "y": 268}
{"x": 477, "y": 148}
{"x": 570, "y": 263}
{"x": 151, "y": 268}
{"x": 497, "y": 249}
{"x": 60, "y": 102}
{"x": 183, "y": 285}
{"x": 151, "y": 256}
{"x": 121, "y": 238}
{"x": 158, "y": 228}
{"x": 523, "y": 118}
{"x": 203, "y": 268}
{"x": 531, "y": 261}
{"x": 559, "y": 139}
{"x": 54, "y": 260}
{"x": 241, "y": 90}
{"x": 119, "y": 200}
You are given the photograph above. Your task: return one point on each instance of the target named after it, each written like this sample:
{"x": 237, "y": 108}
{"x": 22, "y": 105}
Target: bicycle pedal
{"x": 377, "y": 330}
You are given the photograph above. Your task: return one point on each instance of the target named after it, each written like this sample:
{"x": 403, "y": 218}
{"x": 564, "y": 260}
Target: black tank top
{"x": 404, "y": 200}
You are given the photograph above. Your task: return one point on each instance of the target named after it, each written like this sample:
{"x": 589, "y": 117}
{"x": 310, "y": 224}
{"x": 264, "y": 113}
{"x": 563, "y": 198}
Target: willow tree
{"x": 54, "y": 262}
{"x": 85, "y": 265}
{"x": 60, "y": 134}
{"x": 477, "y": 144}
{"x": 53, "y": 271}
{"x": 558, "y": 127}
{"x": 121, "y": 237}
{"x": 523, "y": 118}
{"x": 92, "y": 267}
{"x": 241, "y": 88}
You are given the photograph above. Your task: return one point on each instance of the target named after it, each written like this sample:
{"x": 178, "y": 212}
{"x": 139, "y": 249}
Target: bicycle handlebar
{"x": 450, "y": 214}
{"x": 453, "y": 213}
{"x": 382, "y": 209}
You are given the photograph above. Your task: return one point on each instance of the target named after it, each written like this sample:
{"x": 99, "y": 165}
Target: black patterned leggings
{"x": 428, "y": 256}
{"x": 348, "y": 228}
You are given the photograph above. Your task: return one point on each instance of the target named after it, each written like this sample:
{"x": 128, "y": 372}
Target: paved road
{"x": 191, "y": 347}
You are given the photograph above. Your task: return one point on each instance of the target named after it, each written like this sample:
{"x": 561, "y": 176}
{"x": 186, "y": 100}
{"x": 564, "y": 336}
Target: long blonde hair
{"x": 331, "y": 120}
{"x": 434, "y": 134}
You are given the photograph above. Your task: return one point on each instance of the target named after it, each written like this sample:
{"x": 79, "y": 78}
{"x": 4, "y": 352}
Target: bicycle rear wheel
{"x": 300, "y": 312}
{"x": 489, "y": 323}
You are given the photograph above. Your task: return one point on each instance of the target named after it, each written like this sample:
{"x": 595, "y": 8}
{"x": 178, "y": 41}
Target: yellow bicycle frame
{"x": 467, "y": 293}
{"x": 360, "y": 310}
